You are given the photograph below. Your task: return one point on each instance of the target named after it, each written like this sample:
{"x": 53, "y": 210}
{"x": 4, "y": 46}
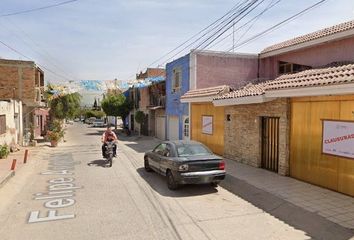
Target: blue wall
{"x": 173, "y": 105}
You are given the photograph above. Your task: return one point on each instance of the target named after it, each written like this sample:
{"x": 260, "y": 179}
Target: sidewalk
{"x": 5, "y": 164}
{"x": 330, "y": 205}
{"x": 278, "y": 195}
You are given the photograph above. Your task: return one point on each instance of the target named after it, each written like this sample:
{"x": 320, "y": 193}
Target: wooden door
{"x": 270, "y": 143}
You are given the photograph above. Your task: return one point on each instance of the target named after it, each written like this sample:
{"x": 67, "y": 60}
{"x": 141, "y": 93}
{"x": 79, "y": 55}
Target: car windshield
{"x": 192, "y": 150}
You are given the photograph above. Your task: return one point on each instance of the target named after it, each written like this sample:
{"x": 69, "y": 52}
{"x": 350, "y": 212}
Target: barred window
{"x": 176, "y": 79}
{"x": 2, "y": 124}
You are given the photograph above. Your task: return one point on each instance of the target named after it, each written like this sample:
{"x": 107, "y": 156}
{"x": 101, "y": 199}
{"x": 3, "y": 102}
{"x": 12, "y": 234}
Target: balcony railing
{"x": 157, "y": 101}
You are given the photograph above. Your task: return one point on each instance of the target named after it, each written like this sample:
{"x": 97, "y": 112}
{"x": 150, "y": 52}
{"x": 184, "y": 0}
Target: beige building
{"x": 11, "y": 129}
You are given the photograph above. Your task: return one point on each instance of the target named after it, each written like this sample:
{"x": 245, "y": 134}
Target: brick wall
{"x": 151, "y": 72}
{"x": 18, "y": 75}
{"x": 243, "y": 132}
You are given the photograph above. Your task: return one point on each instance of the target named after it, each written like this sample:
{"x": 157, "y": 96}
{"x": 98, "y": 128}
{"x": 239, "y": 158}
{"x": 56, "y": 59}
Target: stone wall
{"x": 243, "y": 132}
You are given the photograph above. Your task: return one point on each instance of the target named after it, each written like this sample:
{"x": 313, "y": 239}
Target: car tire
{"x": 171, "y": 182}
{"x": 215, "y": 184}
{"x": 146, "y": 165}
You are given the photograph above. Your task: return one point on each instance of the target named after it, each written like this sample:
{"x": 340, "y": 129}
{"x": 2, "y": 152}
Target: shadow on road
{"x": 158, "y": 183}
{"x": 98, "y": 133}
{"x": 98, "y": 163}
{"x": 314, "y": 225}
{"x": 140, "y": 148}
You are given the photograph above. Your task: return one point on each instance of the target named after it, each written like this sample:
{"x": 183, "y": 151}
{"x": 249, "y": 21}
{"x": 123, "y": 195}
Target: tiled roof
{"x": 314, "y": 77}
{"x": 246, "y": 91}
{"x": 312, "y": 36}
{"x": 206, "y": 92}
{"x": 309, "y": 78}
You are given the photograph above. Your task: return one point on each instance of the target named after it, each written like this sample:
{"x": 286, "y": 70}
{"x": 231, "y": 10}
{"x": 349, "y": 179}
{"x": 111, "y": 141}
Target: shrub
{"x": 139, "y": 117}
{"x": 4, "y": 151}
{"x": 55, "y": 136}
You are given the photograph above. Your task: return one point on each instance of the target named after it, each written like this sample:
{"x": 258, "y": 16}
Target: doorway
{"x": 270, "y": 143}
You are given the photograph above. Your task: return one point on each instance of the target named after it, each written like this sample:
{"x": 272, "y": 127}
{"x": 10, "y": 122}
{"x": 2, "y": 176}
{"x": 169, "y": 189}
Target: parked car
{"x": 98, "y": 123}
{"x": 185, "y": 162}
{"x": 90, "y": 120}
{"x": 71, "y": 122}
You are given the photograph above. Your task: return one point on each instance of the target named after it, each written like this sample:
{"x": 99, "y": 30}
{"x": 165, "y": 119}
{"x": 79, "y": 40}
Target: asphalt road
{"x": 69, "y": 194}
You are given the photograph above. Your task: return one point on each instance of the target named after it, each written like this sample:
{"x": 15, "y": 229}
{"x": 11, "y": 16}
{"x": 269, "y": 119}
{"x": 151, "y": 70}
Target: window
{"x": 176, "y": 79}
{"x": 163, "y": 149}
{"x": 160, "y": 149}
{"x": 187, "y": 150}
{"x": 286, "y": 67}
{"x": 2, "y": 124}
{"x": 186, "y": 127}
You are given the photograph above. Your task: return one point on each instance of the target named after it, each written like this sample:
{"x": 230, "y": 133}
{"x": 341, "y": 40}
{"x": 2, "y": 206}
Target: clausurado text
{"x": 60, "y": 193}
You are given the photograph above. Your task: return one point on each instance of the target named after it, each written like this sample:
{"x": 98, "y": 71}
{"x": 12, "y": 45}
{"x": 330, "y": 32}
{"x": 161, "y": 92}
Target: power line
{"x": 40, "y": 51}
{"x": 254, "y": 19}
{"x": 234, "y": 8}
{"x": 232, "y": 16}
{"x": 42, "y": 66}
{"x": 229, "y": 24}
{"x": 37, "y": 9}
{"x": 251, "y": 39}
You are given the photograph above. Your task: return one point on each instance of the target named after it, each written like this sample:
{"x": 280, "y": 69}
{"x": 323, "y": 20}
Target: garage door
{"x": 173, "y": 128}
{"x": 306, "y": 159}
{"x": 160, "y": 127}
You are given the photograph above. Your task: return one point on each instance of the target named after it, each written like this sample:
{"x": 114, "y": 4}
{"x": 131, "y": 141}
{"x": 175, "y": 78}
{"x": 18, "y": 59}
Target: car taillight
{"x": 222, "y": 165}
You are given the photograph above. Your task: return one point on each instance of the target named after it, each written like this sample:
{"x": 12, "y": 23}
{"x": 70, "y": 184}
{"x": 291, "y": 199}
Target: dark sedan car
{"x": 185, "y": 162}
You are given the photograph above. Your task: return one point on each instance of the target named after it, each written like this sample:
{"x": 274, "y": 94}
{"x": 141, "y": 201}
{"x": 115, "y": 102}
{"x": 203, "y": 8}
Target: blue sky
{"x": 92, "y": 39}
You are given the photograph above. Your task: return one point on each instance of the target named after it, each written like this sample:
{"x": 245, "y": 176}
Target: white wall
{"x": 14, "y": 128}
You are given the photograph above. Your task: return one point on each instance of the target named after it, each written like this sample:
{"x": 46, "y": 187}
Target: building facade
{"x": 148, "y": 95}
{"x": 11, "y": 129}
{"x": 215, "y": 73}
{"x": 177, "y": 84}
{"x": 281, "y": 124}
{"x": 23, "y": 81}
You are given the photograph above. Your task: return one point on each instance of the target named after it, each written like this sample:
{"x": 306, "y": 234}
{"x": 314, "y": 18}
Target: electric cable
{"x": 274, "y": 27}
{"x": 37, "y": 9}
{"x": 195, "y": 35}
{"x": 252, "y": 21}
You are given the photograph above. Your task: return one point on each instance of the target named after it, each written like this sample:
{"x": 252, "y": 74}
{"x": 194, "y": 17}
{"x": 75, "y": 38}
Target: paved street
{"x": 67, "y": 193}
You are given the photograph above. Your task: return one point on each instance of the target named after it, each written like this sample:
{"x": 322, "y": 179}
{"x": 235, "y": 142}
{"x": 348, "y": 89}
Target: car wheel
{"x": 146, "y": 165}
{"x": 171, "y": 182}
{"x": 214, "y": 184}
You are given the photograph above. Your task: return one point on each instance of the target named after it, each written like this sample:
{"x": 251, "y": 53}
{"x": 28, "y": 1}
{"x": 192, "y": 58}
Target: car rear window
{"x": 192, "y": 150}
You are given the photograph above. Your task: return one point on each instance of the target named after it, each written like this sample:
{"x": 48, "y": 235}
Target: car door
{"x": 156, "y": 155}
{"x": 165, "y": 159}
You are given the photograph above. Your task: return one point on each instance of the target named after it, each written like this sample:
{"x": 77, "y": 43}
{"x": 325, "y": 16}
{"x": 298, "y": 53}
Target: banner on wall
{"x": 207, "y": 122}
{"x": 338, "y": 138}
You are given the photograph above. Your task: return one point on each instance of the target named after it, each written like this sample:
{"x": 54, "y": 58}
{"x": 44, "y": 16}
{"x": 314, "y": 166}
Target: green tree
{"x": 139, "y": 118}
{"x": 94, "y": 113}
{"x": 65, "y": 106}
{"x": 116, "y": 106}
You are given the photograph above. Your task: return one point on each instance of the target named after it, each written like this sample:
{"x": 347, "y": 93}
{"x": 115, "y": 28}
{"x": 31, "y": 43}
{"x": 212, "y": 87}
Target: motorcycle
{"x": 109, "y": 153}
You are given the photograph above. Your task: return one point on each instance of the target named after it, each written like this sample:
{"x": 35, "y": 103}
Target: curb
{"x": 7, "y": 178}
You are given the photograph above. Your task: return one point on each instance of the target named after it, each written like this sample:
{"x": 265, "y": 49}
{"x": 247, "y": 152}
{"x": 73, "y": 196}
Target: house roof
{"x": 311, "y": 36}
{"x": 205, "y": 92}
{"x": 314, "y": 78}
{"x": 246, "y": 91}
{"x": 326, "y": 76}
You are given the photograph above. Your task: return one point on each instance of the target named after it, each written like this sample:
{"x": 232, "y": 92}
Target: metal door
{"x": 270, "y": 143}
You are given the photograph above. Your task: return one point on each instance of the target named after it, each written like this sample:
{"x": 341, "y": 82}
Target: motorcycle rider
{"x": 109, "y": 136}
